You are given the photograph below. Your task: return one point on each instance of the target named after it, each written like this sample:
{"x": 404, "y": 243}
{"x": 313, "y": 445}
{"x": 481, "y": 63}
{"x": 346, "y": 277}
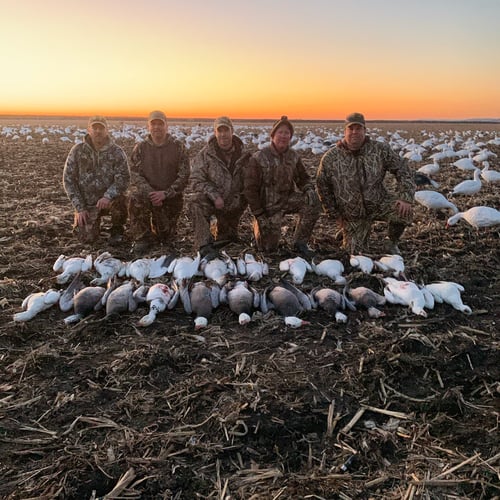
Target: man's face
{"x": 158, "y": 130}
{"x": 281, "y": 138}
{"x": 224, "y": 136}
{"x": 354, "y": 136}
{"x": 98, "y": 133}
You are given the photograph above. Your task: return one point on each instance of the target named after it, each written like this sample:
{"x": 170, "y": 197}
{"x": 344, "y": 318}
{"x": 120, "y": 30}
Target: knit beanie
{"x": 282, "y": 121}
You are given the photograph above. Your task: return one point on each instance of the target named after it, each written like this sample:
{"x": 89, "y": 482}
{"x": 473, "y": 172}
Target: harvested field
{"x": 400, "y": 407}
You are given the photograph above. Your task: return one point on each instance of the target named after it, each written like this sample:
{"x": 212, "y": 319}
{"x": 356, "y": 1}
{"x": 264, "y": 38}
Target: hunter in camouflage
{"x": 276, "y": 183}
{"x": 350, "y": 184}
{"x": 217, "y": 185}
{"x": 159, "y": 174}
{"x": 95, "y": 178}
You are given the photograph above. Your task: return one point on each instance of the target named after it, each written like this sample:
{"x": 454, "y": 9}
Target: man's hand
{"x": 157, "y": 198}
{"x": 403, "y": 208}
{"x": 82, "y": 218}
{"x": 103, "y": 203}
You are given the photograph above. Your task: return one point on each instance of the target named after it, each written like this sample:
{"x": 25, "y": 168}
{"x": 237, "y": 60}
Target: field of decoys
{"x": 243, "y": 375}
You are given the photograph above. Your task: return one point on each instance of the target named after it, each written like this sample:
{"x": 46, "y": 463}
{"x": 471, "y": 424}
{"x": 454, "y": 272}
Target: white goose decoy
{"x": 241, "y": 298}
{"x": 36, "y": 303}
{"x": 429, "y": 169}
{"x": 200, "y": 299}
{"x": 142, "y": 269}
{"x": 296, "y": 267}
{"x": 477, "y": 217}
{"x": 108, "y": 267}
{"x": 331, "y": 268}
{"x": 184, "y": 268}
{"x": 367, "y": 298}
{"x": 86, "y": 301}
{"x": 468, "y": 187}
{"x": 434, "y": 201}
{"x": 331, "y": 301}
{"x": 365, "y": 264}
{"x": 160, "y": 297}
{"x": 252, "y": 268}
{"x": 405, "y": 293}
{"x": 71, "y": 266}
{"x": 392, "y": 264}
{"x": 488, "y": 175}
{"x": 449, "y": 292}
{"x": 465, "y": 163}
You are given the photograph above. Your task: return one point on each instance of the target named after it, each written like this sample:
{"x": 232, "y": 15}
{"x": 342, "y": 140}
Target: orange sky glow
{"x": 319, "y": 59}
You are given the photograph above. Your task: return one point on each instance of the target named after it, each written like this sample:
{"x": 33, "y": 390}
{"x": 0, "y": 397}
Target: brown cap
{"x": 157, "y": 115}
{"x": 98, "y": 119}
{"x": 355, "y": 118}
{"x": 282, "y": 121}
{"x": 223, "y": 121}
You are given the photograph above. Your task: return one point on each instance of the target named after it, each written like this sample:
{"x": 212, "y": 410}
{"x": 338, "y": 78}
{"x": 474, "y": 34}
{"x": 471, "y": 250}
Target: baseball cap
{"x": 157, "y": 115}
{"x": 355, "y": 118}
{"x": 98, "y": 119}
{"x": 223, "y": 121}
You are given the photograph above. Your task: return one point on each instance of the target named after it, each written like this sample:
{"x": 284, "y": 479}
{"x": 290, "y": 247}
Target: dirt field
{"x": 401, "y": 407}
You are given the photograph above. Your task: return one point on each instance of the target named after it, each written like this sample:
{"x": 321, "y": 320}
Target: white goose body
{"x": 392, "y": 264}
{"x": 142, "y": 269}
{"x": 477, "y": 217}
{"x": 331, "y": 268}
{"x": 491, "y": 176}
{"x": 449, "y": 292}
{"x": 218, "y": 269}
{"x": 434, "y": 201}
{"x": 405, "y": 293}
{"x": 71, "y": 266}
{"x": 36, "y": 303}
{"x": 296, "y": 267}
{"x": 429, "y": 169}
{"x": 160, "y": 297}
{"x": 184, "y": 267}
{"x": 107, "y": 267}
{"x": 252, "y": 268}
{"x": 365, "y": 264}
{"x": 468, "y": 187}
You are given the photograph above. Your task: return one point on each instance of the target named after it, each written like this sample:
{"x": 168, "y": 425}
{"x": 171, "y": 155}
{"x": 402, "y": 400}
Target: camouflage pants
{"x": 91, "y": 231}
{"x": 267, "y": 229}
{"x": 356, "y": 233}
{"x": 202, "y": 210}
{"x": 147, "y": 220}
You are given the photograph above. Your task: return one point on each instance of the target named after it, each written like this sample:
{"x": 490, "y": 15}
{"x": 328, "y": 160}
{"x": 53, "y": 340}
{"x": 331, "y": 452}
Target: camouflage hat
{"x": 157, "y": 115}
{"x": 98, "y": 119}
{"x": 355, "y": 118}
{"x": 223, "y": 121}
{"x": 282, "y": 121}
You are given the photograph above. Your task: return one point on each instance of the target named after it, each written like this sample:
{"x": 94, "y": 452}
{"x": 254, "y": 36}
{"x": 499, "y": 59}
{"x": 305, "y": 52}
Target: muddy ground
{"x": 397, "y": 407}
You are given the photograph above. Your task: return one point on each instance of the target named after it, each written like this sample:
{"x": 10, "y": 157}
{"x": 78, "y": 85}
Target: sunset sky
{"x": 309, "y": 59}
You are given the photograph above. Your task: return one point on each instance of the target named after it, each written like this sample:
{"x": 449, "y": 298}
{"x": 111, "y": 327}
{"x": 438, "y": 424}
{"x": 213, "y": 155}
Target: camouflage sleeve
{"x": 136, "y": 178}
{"x": 200, "y": 182}
{"x": 179, "y": 185}
{"x": 302, "y": 178}
{"x": 71, "y": 180}
{"x": 324, "y": 182}
{"x": 399, "y": 167}
{"x": 251, "y": 186}
{"x": 121, "y": 175}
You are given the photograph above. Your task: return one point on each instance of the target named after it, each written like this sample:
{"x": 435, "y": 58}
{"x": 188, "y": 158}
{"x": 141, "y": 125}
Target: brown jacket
{"x": 351, "y": 184}
{"x": 159, "y": 168}
{"x": 271, "y": 178}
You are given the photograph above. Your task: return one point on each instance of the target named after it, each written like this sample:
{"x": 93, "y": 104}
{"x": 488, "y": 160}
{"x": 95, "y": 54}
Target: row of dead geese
{"x": 231, "y": 281}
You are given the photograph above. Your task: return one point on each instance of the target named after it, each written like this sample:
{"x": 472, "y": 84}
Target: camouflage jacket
{"x": 351, "y": 184}
{"x": 214, "y": 176}
{"x": 90, "y": 175}
{"x": 271, "y": 178}
{"x": 159, "y": 168}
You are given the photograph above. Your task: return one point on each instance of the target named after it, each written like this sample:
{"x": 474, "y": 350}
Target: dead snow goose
{"x": 124, "y": 298}
{"x": 66, "y": 299}
{"x": 391, "y": 264}
{"x": 331, "y": 268}
{"x": 241, "y": 298}
{"x": 86, "y": 301}
{"x": 367, "y": 298}
{"x": 251, "y": 268}
{"x": 200, "y": 299}
{"x": 160, "y": 297}
{"x": 37, "y": 302}
{"x": 331, "y": 301}
{"x": 449, "y": 292}
{"x": 71, "y": 266}
{"x": 365, "y": 264}
{"x": 184, "y": 268}
{"x": 108, "y": 267}
{"x": 405, "y": 293}
{"x": 296, "y": 267}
